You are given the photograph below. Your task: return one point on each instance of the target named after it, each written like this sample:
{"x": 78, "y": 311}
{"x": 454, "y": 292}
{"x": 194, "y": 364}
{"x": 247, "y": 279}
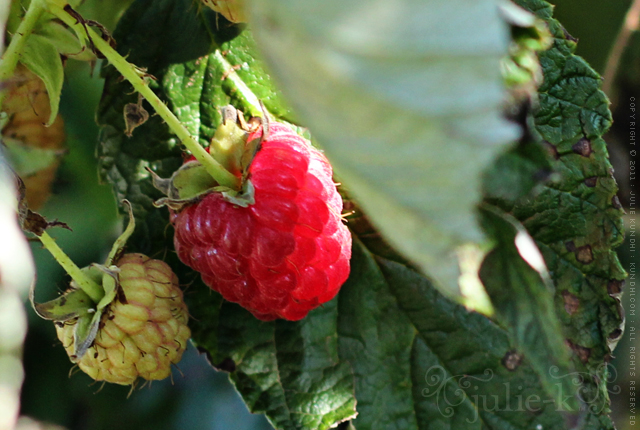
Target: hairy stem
{"x": 11, "y": 56}
{"x": 136, "y": 77}
{"x": 93, "y": 290}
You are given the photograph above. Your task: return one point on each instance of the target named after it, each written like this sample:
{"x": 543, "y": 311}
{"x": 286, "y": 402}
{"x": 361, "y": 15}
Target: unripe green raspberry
{"x": 142, "y": 332}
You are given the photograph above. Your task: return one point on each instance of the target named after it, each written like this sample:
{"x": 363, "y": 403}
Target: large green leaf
{"x": 406, "y": 98}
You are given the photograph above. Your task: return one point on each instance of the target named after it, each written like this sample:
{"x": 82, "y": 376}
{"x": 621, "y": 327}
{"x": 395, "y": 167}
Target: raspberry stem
{"x": 136, "y": 78}
{"x": 93, "y": 290}
{"x": 11, "y": 56}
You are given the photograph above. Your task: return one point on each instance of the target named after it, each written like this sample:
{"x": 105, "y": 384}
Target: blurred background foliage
{"x": 200, "y": 397}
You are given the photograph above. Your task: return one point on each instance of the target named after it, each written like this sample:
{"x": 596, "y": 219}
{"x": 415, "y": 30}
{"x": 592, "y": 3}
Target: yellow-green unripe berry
{"x": 142, "y": 332}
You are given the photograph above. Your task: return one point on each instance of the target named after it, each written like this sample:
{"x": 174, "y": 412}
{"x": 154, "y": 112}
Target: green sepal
{"x": 93, "y": 272}
{"x": 228, "y": 143}
{"x": 190, "y": 181}
{"x": 121, "y": 241}
{"x": 109, "y": 283}
{"x": 70, "y": 305}
{"x": 230, "y": 148}
{"x": 243, "y": 199}
{"x": 86, "y": 330}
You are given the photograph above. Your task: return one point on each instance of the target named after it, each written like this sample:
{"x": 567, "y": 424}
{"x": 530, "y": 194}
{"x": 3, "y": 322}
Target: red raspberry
{"x": 283, "y": 255}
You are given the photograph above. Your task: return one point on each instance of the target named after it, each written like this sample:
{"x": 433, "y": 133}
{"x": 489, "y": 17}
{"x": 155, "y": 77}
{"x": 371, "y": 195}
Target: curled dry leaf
{"x": 33, "y": 150}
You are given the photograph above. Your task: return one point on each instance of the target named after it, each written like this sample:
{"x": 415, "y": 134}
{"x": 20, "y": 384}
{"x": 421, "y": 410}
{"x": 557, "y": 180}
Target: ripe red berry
{"x": 286, "y": 253}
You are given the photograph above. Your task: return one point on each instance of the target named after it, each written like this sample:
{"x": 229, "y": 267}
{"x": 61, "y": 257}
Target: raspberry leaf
{"x": 521, "y": 290}
{"x": 575, "y": 217}
{"x": 42, "y": 58}
{"x": 290, "y": 371}
{"x": 416, "y": 357}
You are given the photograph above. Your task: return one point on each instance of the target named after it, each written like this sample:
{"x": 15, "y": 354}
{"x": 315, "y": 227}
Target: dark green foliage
{"x": 390, "y": 345}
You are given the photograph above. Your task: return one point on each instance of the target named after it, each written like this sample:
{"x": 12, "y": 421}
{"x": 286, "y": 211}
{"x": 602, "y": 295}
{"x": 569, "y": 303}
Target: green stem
{"x": 11, "y": 56}
{"x": 135, "y": 77}
{"x": 93, "y": 290}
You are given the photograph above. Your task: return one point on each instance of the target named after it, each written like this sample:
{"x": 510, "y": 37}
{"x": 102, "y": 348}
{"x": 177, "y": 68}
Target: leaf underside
{"x": 406, "y": 99}
{"x": 390, "y": 345}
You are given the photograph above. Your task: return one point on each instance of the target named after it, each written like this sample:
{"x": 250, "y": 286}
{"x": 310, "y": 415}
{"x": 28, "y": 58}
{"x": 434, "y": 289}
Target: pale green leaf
{"x": 405, "y": 97}
{"x": 65, "y": 41}
{"x": 42, "y": 58}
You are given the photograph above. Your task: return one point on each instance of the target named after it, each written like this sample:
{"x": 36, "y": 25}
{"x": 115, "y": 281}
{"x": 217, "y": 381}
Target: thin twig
{"x": 630, "y": 25}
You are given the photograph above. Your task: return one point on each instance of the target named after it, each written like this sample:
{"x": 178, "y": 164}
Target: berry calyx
{"x": 279, "y": 248}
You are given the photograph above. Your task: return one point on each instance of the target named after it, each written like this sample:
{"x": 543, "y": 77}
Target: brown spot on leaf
{"x": 571, "y": 302}
{"x": 584, "y": 254}
{"x": 582, "y": 147}
{"x": 591, "y": 182}
{"x": 614, "y": 335}
{"x": 551, "y": 149}
{"x": 614, "y": 287}
{"x": 512, "y": 359}
{"x": 582, "y": 352}
{"x": 568, "y": 36}
{"x": 570, "y": 246}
